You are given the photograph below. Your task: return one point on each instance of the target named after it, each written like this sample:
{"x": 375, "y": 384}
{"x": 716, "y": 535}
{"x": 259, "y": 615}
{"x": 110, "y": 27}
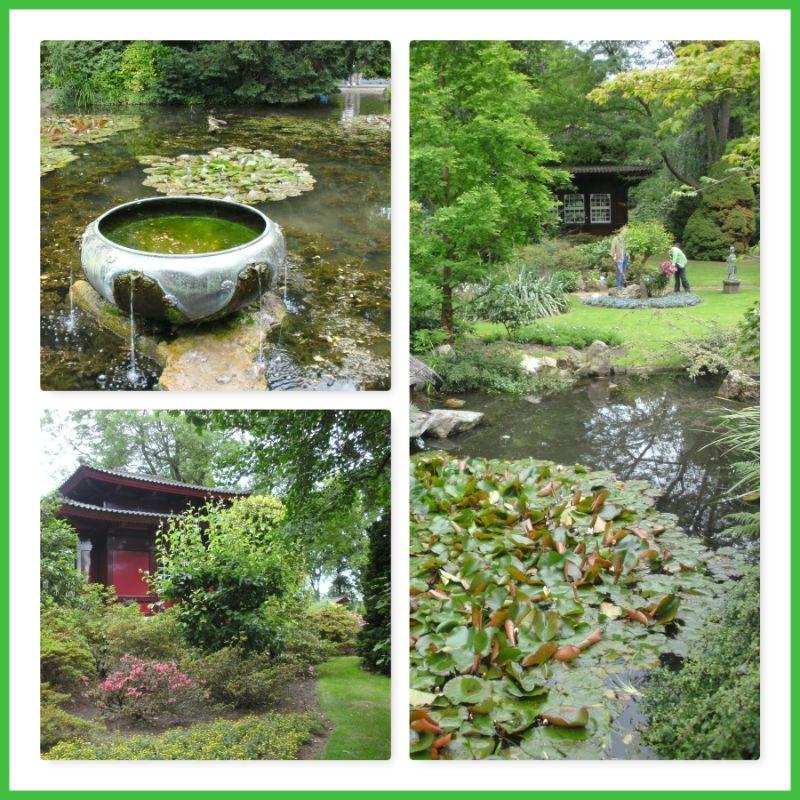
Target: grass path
{"x": 358, "y": 705}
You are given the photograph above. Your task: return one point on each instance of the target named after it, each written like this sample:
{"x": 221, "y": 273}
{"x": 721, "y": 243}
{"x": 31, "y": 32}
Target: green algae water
{"x": 180, "y": 234}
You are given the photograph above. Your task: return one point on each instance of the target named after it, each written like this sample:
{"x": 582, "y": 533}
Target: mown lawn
{"x": 711, "y": 273}
{"x": 358, "y": 704}
{"x": 650, "y": 334}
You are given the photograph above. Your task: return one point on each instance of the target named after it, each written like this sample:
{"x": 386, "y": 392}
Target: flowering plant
{"x": 668, "y": 268}
{"x": 145, "y": 689}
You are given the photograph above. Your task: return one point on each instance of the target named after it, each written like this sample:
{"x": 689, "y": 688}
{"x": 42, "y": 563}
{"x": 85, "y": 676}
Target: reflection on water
{"x": 341, "y": 228}
{"x": 656, "y": 429}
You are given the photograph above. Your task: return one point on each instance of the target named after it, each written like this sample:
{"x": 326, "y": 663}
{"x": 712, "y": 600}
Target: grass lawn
{"x": 649, "y": 334}
{"x": 711, "y": 273}
{"x": 358, "y": 704}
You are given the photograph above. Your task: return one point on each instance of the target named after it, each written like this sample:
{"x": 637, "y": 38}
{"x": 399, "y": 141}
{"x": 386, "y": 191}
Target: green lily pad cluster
{"x": 58, "y": 133}
{"x": 248, "y": 176}
{"x": 536, "y": 590}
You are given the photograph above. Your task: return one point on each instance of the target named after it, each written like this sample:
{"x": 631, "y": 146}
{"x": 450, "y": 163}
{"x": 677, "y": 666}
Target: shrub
{"x": 305, "y": 649}
{"x": 710, "y": 709}
{"x": 59, "y": 581}
{"x": 579, "y": 336}
{"x": 338, "y": 625}
{"x": 239, "y": 679}
{"x": 258, "y": 738}
{"x": 748, "y": 342}
{"x": 146, "y": 689}
{"x": 374, "y": 638}
{"x": 233, "y": 574}
{"x": 425, "y": 304}
{"x": 712, "y": 354}
{"x": 129, "y": 631}
{"x": 566, "y": 281}
{"x": 66, "y": 660}
{"x": 645, "y": 239}
{"x": 597, "y": 254}
{"x": 475, "y": 367}
{"x": 725, "y": 217}
{"x": 56, "y": 724}
{"x": 426, "y": 339}
{"x": 551, "y": 256}
{"x": 516, "y": 297}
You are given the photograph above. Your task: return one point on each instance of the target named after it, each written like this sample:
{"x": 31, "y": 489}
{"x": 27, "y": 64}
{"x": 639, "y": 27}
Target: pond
{"x": 336, "y": 281}
{"x": 656, "y": 429}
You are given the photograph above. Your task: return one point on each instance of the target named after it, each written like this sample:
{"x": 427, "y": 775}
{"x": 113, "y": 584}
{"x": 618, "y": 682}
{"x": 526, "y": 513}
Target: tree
{"x": 711, "y": 82}
{"x": 480, "y": 175}
{"x": 60, "y": 582}
{"x": 232, "y": 573}
{"x": 374, "y": 639}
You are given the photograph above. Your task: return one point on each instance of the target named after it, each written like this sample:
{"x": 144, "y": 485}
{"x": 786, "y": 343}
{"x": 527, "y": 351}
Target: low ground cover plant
{"x": 268, "y": 737}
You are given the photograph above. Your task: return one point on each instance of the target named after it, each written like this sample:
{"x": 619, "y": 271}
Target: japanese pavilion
{"x": 597, "y": 201}
{"x": 117, "y": 515}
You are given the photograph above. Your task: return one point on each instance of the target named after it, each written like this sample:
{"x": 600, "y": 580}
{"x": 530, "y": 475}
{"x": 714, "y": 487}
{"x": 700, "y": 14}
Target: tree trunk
{"x": 724, "y": 124}
{"x": 447, "y": 302}
{"x": 711, "y": 134}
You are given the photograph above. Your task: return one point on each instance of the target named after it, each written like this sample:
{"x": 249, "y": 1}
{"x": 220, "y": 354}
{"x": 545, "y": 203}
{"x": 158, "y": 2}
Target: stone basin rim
{"x": 192, "y": 198}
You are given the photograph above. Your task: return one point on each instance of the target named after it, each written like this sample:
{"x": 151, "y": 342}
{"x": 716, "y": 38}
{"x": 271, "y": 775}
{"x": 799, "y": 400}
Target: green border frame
{"x": 513, "y": 776}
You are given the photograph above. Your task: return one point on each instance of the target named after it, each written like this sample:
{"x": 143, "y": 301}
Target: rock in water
{"x": 455, "y": 402}
{"x": 418, "y": 423}
{"x": 739, "y": 386}
{"x": 444, "y": 422}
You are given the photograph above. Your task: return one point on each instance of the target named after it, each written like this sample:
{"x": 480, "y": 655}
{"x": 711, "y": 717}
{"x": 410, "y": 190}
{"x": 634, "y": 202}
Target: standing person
{"x": 619, "y": 255}
{"x": 678, "y": 260}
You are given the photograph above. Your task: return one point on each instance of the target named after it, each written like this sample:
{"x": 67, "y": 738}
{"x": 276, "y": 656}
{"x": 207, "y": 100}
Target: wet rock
{"x": 569, "y": 359}
{"x": 418, "y": 423}
{"x": 530, "y": 364}
{"x": 548, "y": 361}
{"x": 445, "y": 422}
{"x": 455, "y": 402}
{"x": 739, "y": 386}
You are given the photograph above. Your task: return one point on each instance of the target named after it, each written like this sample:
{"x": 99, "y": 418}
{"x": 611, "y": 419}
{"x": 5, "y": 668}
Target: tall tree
{"x": 480, "y": 167}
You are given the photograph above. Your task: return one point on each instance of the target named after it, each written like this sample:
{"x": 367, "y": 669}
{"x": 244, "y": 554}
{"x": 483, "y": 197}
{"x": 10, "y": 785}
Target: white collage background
{"x": 28, "y": 402}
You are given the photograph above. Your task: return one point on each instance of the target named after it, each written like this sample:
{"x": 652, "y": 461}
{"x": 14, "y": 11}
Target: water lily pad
{"x": 238, "y": 173}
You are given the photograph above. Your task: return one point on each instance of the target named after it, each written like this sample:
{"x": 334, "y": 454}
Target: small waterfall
{"x": 285, "y": 279}
{"x": 71, "y": 322}
{"x": 261, "y": 335}
{"x": 134, "y": 375}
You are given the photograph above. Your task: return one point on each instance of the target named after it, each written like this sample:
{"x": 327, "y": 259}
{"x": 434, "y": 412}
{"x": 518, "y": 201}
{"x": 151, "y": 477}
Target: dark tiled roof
{"x": 611, "y": 169}
{"x": 68, "y": 501}
{"x": 158, "y": 479}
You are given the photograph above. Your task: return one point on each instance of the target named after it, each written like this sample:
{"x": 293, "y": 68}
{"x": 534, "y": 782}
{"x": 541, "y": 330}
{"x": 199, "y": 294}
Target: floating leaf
{"x": 566, "y": 717}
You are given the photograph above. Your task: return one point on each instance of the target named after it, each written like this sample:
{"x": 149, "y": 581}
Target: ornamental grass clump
{"x": 146, "y": 689}
{"x": 536, "y": 589}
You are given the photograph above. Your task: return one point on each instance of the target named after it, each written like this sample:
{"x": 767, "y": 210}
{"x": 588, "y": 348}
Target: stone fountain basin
{"x": 182, "y": 287}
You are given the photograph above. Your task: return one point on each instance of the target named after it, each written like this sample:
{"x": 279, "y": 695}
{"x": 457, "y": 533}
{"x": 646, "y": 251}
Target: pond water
{"x": 180, "y": 233}
{"x": 657, "y": 428}
{"x": 336, "y": 282}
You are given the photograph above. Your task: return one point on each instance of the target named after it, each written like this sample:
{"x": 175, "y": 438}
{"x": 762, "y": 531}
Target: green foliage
{"x": 474, "y": 367}
{"x": 565, "y": 281}
{"x": 471, "y": 120}
{"x": 212, "y": 73}
{"x": 645, "y": 239}
{"x": 425, "y": 339}
{"x": 725, "y": 216}
{"x": 552, "y": 256}
{"x": 597, "y": 253}
{"x": 374, "y": 638}
{"x": 517, "y": 296}
{"x": 532, "y": 586}
{"x": 578, "y": 336}
{"x": 259, "y": 738}
{"x": 59, "y": 581}
{"x": 66, "y": 659}
{"x": 232, "y": 574}
{"x": 338, "y": 625}
{"x": 710, "y": 708}
{"x": 749, "y": 335}
{"x": 710, "y": 354}
{"x": 156, "y": 638}
{"x": 239, "y": 679}
{"x": 56, "y": 724}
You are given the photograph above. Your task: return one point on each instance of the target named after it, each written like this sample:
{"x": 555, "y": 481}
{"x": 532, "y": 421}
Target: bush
{"x": 425, "y": 304}
{"x": 551, "y": 256}
{"x": 146, "y": 689}
{"x": 66, "y": 659}
{"x": 566, "y": 281}
{"x": 473, "y": 367}
{"x": 59, "y": 581}
{"x": 258, "y": 738}
{"x": 579, "y": 336}
{"x": 243, "y": 680}
{"x": 129, "y": 631}
{"x": 306, "y": 650}
{"x": 748, "y": 342}
{"x": 644, "y": 239}
{"x": 426, "y": 339}
{"x": 56, "y": 724}
{"x": 232, "y": 573}
{"x": 712, "y": 354}
{"x": 374, "y": 638}
{"x": 516, "y": 297}
{"x": 725, "y": 217}
{"x": 338, "y": 625}
{"x": 710, "y": 709}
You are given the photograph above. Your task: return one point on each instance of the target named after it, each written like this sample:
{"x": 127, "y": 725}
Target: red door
{"x": 126, "y": 566}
